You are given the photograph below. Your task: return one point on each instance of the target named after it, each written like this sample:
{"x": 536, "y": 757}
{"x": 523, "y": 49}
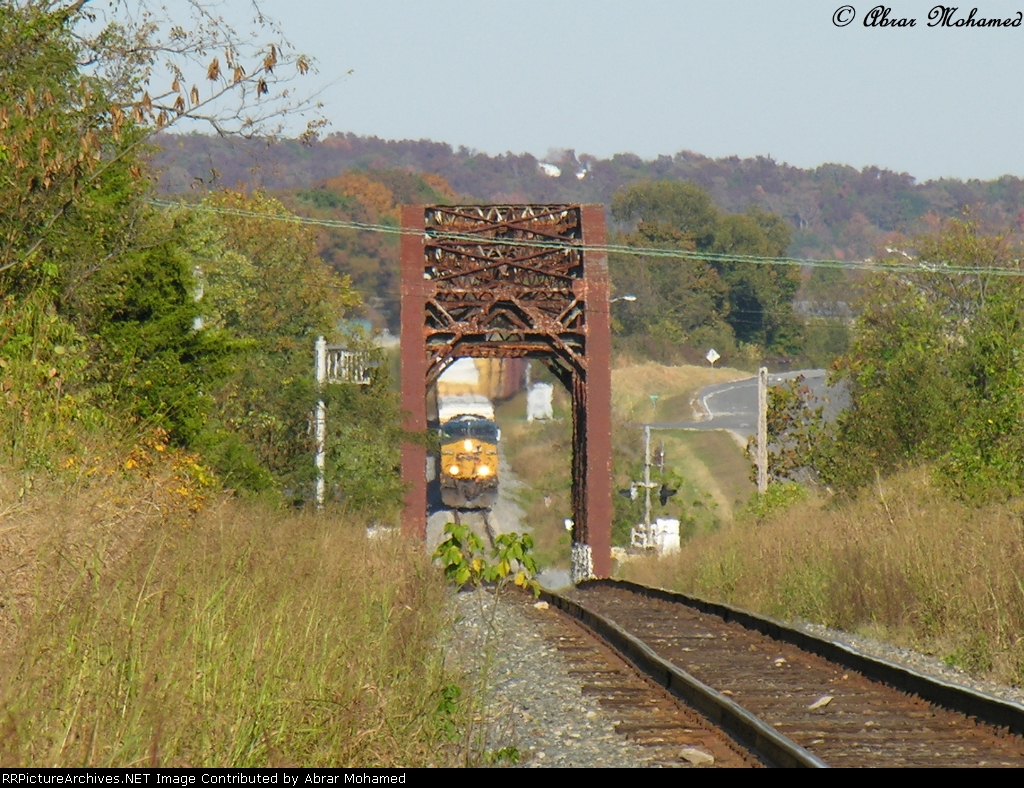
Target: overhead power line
{"x": 902, "y": 266}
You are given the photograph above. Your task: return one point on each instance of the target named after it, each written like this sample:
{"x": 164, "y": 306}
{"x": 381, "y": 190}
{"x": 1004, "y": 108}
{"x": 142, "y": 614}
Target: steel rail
{"x": 747, "y": 729}
{"x": 985, "y": 708}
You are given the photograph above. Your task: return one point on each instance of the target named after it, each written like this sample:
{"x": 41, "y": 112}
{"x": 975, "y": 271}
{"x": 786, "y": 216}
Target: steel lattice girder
{"x": 505, "y": 281}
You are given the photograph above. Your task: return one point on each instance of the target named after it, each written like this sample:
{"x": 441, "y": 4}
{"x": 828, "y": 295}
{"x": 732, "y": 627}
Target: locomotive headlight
{"x": 483, "y": 470}
{"x": 454, "y": 470}
{"x": 467, "y": 445}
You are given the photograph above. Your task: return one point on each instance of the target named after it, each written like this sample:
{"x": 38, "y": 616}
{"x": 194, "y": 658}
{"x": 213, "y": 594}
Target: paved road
{"x": 733, "y": 406}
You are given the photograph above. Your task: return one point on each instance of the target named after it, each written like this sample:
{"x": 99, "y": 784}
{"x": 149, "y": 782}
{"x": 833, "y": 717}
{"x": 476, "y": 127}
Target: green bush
{"x": 935, "y": 372}
{"x": 777, "y": 498}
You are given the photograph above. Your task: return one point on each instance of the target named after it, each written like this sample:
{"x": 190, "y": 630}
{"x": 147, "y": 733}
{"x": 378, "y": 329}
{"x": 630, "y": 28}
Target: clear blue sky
{"x": 660, "y": 76}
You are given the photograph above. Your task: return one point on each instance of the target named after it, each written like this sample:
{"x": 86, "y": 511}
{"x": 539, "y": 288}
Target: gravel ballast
{"x": 534, "y": 703}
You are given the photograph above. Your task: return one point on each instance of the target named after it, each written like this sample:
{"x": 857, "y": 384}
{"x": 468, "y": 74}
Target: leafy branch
{"x": 465, "y": 562}
{"x": 77, "y": 107}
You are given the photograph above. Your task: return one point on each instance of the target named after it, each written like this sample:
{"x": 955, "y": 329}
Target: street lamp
{"x": 623, "y": 298}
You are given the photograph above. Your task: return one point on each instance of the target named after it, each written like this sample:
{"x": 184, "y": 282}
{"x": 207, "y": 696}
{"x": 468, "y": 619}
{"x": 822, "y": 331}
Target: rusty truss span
{"x": 514, "y": 281}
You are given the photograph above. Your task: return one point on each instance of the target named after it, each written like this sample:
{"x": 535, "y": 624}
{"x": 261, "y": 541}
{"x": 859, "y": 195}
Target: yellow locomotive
{"x": 469, "y": 462}
{"x": 465, "y": 395}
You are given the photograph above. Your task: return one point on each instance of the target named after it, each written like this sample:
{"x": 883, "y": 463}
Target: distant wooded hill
{"x": 835, "y": 210}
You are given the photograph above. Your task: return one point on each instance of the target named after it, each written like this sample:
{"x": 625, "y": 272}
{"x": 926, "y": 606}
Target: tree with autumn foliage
{"x": 71, "y": 183}
{"x": 70, "y": 196}
{"x": 95, "y": 293}
{"x": 370, "y": 259}
{"x": 122, "y": 317}
{"x": 72, "y": 136}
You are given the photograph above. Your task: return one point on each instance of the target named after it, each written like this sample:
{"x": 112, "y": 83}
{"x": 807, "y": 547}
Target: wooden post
{"x": 762, "y": 430}
{"x": 320, "y": 423}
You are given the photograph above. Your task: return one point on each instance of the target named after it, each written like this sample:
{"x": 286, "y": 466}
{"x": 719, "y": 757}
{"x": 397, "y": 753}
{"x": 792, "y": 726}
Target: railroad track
{"x": 477, "y": 519}
{"x": 790, "y": 698}
{"x": 669, "y": 731}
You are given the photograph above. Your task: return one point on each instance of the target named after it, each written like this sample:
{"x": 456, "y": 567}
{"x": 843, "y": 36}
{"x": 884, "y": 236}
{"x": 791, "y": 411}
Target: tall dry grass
{"x": 901, "y": 562}
{"x": 238, "y": 637}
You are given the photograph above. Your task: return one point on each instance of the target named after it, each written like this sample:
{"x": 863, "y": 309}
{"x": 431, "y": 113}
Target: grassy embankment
{"x": 901, "y": 562}
{"x": 711, "y": 464}
{"x": 138, "y": 632}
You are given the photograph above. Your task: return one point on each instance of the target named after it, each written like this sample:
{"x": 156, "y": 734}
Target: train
{"x": 469, "y": 435}
{"x": 469, "y": 462}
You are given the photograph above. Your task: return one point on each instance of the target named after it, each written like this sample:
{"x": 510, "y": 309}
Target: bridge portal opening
{"x": 513, "y": 282}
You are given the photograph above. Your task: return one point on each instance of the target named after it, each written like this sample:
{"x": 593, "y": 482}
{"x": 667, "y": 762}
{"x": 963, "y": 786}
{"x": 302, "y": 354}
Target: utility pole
{"x": 762, "y": 430}
{"x": 320, "y": 422}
